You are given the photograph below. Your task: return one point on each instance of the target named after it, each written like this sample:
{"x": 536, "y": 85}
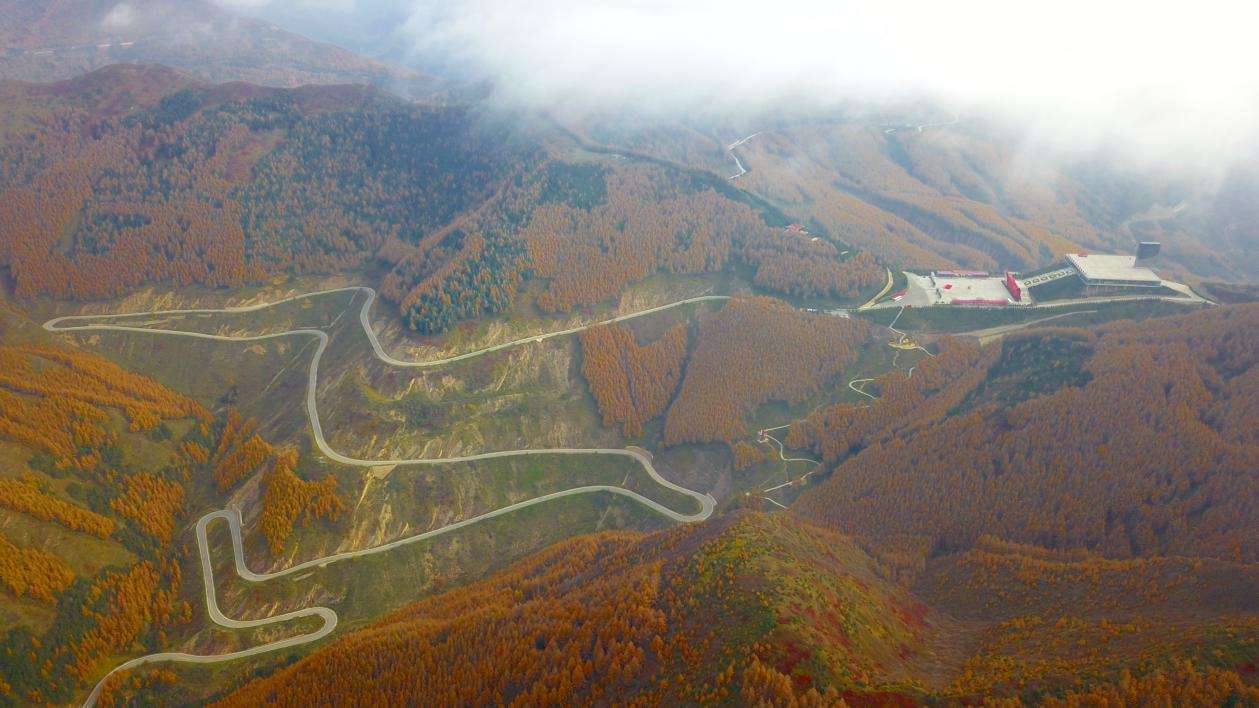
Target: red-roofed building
{"x": 1012, "y": 285}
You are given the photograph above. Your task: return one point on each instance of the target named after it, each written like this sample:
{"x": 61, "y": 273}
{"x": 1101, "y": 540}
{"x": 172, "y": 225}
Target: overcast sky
{"x": 1176, "y": 80}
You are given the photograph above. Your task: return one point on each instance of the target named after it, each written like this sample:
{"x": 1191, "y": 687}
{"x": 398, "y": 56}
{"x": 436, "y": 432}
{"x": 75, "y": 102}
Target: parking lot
{"x": 925, "y": 290}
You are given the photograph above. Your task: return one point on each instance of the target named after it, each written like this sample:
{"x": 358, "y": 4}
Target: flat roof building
{"x": 1099, "y": 269}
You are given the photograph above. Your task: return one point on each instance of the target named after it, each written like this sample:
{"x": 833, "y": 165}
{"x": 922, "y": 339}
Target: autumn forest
{"x": 328, "y": 381}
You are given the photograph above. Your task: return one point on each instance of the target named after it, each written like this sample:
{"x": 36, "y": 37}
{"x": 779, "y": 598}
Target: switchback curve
{"x": 232, "y": 516}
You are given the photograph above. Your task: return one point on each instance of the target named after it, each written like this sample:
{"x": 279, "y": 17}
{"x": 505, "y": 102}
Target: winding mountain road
{"x": 93, "y": 323}
{"x": 738, "y": 164}
{"x": 990, "y": 333}
{"x": 886, "y": 287}
{"x": 922, "y": 126}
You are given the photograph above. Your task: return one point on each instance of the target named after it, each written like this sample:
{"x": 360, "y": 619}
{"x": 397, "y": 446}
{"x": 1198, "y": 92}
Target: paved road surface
{"x": 990, "y": 333}
{"x": 738, "y": 164}
{"x": 82, "y": 323}
{"x": 870, "y": 303}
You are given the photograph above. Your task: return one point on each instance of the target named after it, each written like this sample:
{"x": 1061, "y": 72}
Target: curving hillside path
{"x": 886, "y": 287}
{"x": 70, "y": 323}
{"x": 738, "y": 164}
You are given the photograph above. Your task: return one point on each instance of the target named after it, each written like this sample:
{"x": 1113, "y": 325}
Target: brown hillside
{"x": 101, "y": 470}
{"x": 632, "y": 384}
{"x": 754, "y": 607}
{"x": 971, "y": 192}
{"x": 755, "y": 350}
{"x": 746, "y": 608}
{"x": 1135, "y": 441}
{"x": 135, "y": 175}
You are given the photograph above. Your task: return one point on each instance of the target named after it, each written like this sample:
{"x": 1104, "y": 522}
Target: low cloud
{"x": 119, "y": 17}
{"x": 1172, "y": 81}
{"x": 1161, "y": 82}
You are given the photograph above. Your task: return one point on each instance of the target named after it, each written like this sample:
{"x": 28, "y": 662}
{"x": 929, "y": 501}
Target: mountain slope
{"x": 102, "y": 470}
{"x": 746, "y": 607}
{"x": 753, "y": 607}
{"x": 960, "y": 190}
{"x": 1139, "y": 440}
{"x": 49, "y": 41}
{"x": 133, "y": 175}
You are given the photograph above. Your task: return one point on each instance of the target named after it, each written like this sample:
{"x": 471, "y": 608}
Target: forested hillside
{"x": 1137, "y": 440}
{"x": 100, "y": 469}
{"x": 962, "y": 190}
{"x": 135, "y": 175}
{"x": 755, "y": 350}
{"x": 632, "y": 384}
{"x": 631, "y": 222}
{"x": 720, "y": 612}
{"x": 630, "y": 422}
{"x": 769, "y": 610}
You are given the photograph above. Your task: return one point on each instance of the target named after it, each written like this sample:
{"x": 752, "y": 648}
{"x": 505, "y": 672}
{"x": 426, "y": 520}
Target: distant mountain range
{"x": 58, "y": 39}
{"x": 924, "y": 189}
{"x": 916, "y": 186}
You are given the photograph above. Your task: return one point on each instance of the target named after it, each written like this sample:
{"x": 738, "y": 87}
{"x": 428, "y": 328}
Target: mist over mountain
{"x": 1154, "y": 100}
{"x": 628, "y": 352}
{"x": 50, "y": 41}
{"x": 1165, "y": 84}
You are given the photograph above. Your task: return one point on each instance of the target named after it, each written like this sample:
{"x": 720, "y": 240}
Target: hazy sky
{"x": 1177, "y": 79}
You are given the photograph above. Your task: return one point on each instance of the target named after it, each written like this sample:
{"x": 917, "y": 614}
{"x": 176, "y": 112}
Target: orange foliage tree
{"x": 54, "y": 399}
{"x": 30, "y": 571}
{"x": 289, "y": 499}
{"x": 754, "y": 350}
{"x": 1137, "y": 441}
{"x": 152, "y": 502}
{"x": 240, "y": 451}
{"x": 631, "y": 384}
{"x": 29, "y": 499}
